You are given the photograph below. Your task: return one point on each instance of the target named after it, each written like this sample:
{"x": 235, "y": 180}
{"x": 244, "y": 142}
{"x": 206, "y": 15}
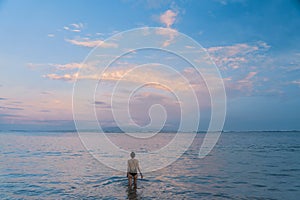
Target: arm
{"x": 138, "y": 168}
{"x": 127, "y": 167}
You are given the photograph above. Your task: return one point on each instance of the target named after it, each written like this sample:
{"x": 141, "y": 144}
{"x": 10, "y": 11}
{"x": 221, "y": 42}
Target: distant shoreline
{"x": 164, "y": 131}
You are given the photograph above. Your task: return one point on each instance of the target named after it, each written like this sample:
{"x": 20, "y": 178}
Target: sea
{"x": 242, "y": 165}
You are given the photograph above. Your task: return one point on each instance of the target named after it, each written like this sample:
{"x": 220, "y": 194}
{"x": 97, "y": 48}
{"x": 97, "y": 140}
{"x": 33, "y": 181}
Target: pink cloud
{"x": 168, "y": 32}
{"x": 244, "y": 85}
{"x": 250, "y": 75}
{"x": 65, "y": 77}
{"x": 168, "y": 18}
{"x": 92, "y": 43}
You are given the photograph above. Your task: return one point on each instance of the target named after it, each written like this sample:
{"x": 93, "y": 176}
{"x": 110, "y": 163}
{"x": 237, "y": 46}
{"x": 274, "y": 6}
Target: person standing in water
{"x": 132, "y": 169}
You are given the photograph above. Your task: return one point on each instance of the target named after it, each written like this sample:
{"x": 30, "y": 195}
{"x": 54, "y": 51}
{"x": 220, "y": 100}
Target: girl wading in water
{"x": 132, "y": 169}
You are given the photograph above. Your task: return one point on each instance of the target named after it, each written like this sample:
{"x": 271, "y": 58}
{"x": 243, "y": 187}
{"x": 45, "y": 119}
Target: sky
{"x": 254, "y": 45}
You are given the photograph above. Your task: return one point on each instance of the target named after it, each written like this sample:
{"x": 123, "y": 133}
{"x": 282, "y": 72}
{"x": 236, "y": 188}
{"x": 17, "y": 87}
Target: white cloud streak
{"x": 296, "y": 82}
{"x": 75, "y": 27}
{"x": 60, "y": 67}
{"x": 91, "y": 43}
{"x": 50, "y": 35}
{"x": 68, "y": 66}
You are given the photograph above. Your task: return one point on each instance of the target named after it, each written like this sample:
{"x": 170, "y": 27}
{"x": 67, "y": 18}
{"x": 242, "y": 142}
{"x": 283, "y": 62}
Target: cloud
{"x": 70, "y": 77}
{"x": 141, "y": 103}
{"x": 150, "y": 77}
{"x": 237, "y": 55}
{"x": 50, "y": 35}
{"x": 2, "y": 99}
{"x": 168, "y": 32}
{"x": 34, "y": 65}
{"x": 250, "y": 75}
{"x": 46, "y": 93}
{"x": 68, "y": 123}
{"x": 74, "y": 27}
{"x": 139, "y": 106}
{"x": 99, "y": 103}
{"x": 156, "y": 4}
{"x": 69, "y": 66}
{"x": 223, "y": 2}
{"x": 24, "y": 108}
{"x": 246, "y": 82}
{"x": 65, "y": 77}
{"x": 66, "y": 72}
{"x": 168, "y": 18}
{"x": 102, "y": 104}
{"x": 99, "y": 34}
{"x": 239, "y": 59}
{"x": 226, "y": 2}
{"x": 244, "y": 85}
{"x": 45, "y": 111}
{"x": 60, "y": 67}
{"x": 91, "y": 43}
{"x": 249, "y": 69}
{"x": 297, "y": 82}
{"x": 10, "y": 108}
{"x": 9, "y": 115}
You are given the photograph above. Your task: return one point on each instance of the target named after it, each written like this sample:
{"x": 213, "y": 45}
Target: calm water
{"x": 256, "y": 165}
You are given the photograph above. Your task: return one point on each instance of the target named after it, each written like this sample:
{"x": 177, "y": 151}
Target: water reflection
{"x": 132, "y": 193}
{"x": 242, "y": 166}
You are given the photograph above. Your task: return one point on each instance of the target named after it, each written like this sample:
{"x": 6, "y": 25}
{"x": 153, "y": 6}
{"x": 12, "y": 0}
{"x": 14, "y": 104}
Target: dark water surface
{"x": 252, "y": 165}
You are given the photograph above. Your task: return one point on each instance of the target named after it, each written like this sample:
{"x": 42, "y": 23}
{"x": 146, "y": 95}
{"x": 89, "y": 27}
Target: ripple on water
{"x": 240, "y": 167}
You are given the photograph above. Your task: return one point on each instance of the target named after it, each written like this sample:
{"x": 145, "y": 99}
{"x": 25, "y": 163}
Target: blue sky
{"x": 255, "y": 45}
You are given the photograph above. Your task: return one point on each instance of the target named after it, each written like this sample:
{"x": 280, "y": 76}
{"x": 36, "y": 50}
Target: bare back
{"x": 133, "y": 165}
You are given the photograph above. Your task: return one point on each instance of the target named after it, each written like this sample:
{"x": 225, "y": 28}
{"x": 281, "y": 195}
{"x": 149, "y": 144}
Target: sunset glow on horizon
{"x": 44, "y": 47}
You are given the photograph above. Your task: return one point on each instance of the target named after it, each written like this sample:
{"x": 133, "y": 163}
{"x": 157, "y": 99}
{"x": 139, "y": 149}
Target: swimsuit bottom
{"x": 132, "y": 174}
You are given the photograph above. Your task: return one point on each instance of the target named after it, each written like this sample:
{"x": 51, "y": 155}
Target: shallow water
{"x": 251, "y": 165}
